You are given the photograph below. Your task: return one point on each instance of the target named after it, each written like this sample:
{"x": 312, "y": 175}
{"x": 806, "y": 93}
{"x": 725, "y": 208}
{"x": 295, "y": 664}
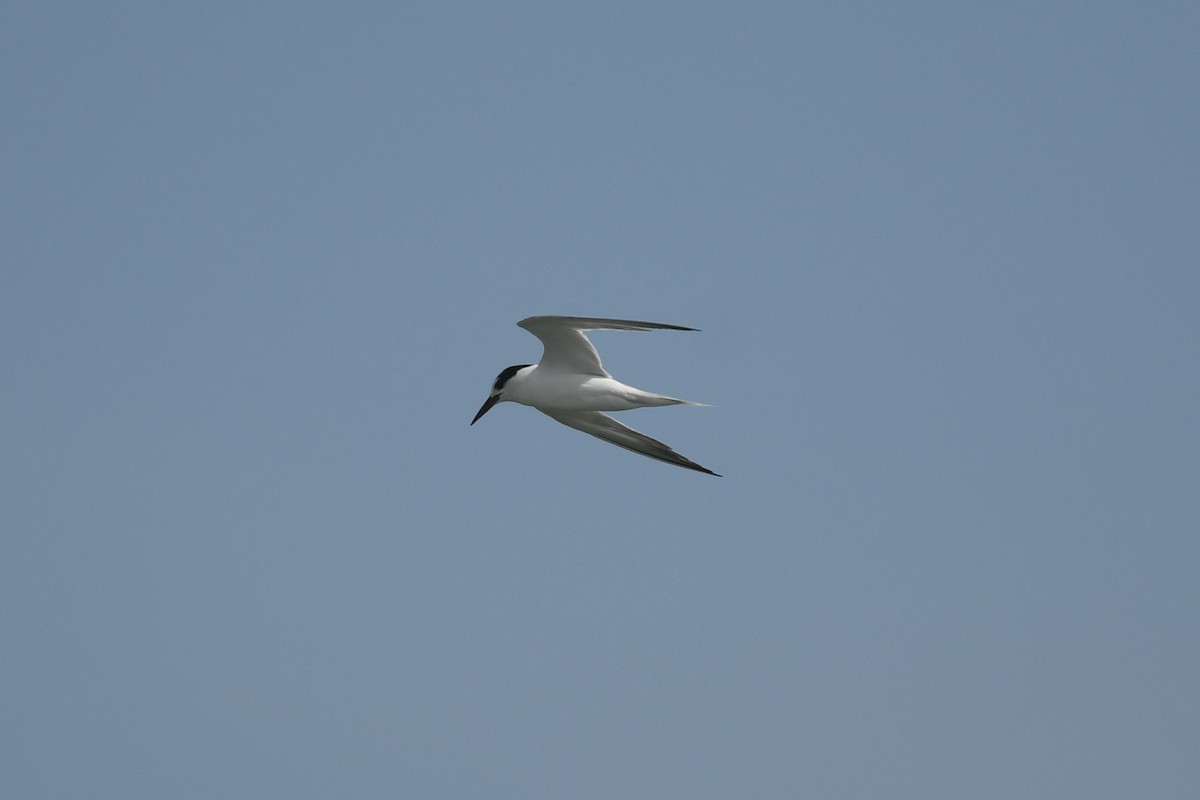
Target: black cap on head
{"x": 506, "y": 375}
{"x": 501, "y": 379}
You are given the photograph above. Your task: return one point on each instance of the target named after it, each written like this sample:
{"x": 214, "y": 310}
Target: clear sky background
{"x": 262, "y": 261}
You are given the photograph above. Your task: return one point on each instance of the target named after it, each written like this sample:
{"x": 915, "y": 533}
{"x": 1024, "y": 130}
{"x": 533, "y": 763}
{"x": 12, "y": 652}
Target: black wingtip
{"x": 679, "y": 461}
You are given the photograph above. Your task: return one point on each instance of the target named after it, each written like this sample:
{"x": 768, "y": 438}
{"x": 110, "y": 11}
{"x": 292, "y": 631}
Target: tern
{"x": 571, "y": 386}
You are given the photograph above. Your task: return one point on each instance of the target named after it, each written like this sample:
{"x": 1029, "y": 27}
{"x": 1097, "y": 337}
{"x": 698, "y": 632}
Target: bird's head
{"x": 497, "y": 395}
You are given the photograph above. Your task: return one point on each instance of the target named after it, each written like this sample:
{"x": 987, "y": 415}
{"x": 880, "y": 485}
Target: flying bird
{"x": 570, "y": 385}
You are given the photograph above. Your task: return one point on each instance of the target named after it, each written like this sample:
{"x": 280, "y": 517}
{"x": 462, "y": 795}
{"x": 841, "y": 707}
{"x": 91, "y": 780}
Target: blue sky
{"x": 261, "y": 263}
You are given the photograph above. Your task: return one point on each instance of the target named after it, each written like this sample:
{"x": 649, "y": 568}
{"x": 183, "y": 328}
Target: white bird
{"x": 571, "y": 386}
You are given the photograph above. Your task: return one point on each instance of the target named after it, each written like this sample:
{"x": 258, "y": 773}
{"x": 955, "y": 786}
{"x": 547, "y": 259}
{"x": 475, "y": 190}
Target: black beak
{"x": 491, "y": 401}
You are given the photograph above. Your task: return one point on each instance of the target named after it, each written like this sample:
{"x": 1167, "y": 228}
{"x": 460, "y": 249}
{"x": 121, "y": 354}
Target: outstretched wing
{"x": 605, "y": 427}
{"x": 567, "y": 349}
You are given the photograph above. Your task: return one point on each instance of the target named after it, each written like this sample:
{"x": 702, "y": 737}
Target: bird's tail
{"x": 664, "y": 400}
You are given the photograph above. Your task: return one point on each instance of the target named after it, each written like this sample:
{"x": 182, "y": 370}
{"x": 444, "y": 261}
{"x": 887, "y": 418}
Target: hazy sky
{"x": 261, "y": 262}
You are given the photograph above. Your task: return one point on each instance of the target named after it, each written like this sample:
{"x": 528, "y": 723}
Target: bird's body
{"x": 571, "y": 386}
{"x": 565, "y": 391}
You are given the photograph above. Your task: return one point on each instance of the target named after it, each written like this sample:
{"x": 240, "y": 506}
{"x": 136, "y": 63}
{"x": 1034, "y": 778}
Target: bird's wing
{"x": 605, "y": 427}
{"x": 567, "y": 349}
